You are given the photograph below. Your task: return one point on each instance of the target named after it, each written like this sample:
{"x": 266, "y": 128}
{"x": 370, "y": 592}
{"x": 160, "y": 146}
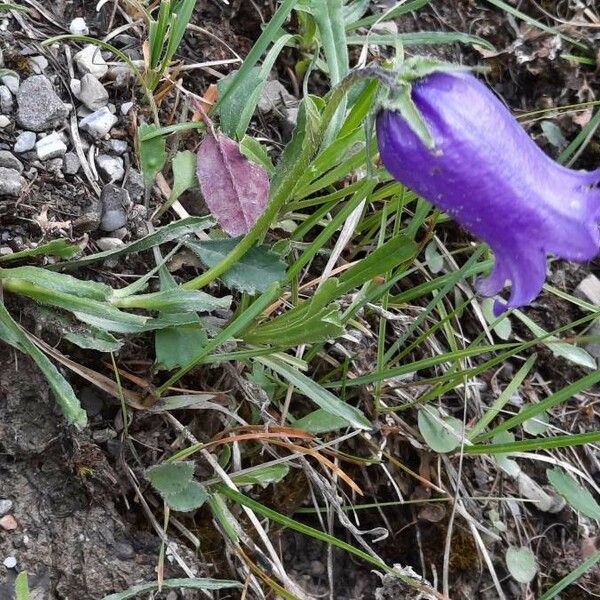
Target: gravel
{"x": 115, "y": 202}
{"x": 92, "y": 93}
{"x": 6, "y": 101}
{"x": 25, "y": 142}
{"x": 5, "y": 506}
{"x": 11, "y": 182}
{"x": 99, "y": 123}
{"x": 78, "y": 26}
{"x": 110, "y": 167}
{"x": 9, "y": 161}
{"x": 39, "y": 107}
{"x": 90, "y": 60}
{"x": 51, "y": 146}
{"x": 71, "y": 163}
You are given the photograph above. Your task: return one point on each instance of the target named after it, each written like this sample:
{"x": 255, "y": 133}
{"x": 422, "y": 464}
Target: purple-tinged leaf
{"x": 235, "y": 189}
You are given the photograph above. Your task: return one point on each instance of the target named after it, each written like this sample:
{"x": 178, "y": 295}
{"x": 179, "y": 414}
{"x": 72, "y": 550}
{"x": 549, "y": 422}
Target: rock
{"x": 12, "y": 82}
{"x": 6, "y": 101}
{"x": 126, "y": 107}
{"x": 8, "y": 523}
{"x": 71, "y": 163}
{"x": 5, "y": 507}
{"x": 90, "y": 219}
{"x": 50, "y": 146}
{"x": 25, "y": 142}
{"x": 75, "y": 87}
{"x": 83, "y": 112}
{"x": 92, "y": 93}
{"x": 589, "y": 289}
{"x": 99, "y": 123}
{"x": 275, "y": 95}
{"x": 111, "y": 167}
{"x": 90, "y": 60}
{"x": 39, "y": 107}
{"x": 135, "y": 185}
{"x": 11, "y": 182}
{"x": 9, "y": 161}
{"x": 275, "y": 98}
{"x": 118, "y": 146}
{"x": 115, "y": 202}
{"x": 39, "y": 64}
{"x": 120, "y": 233}
{"x": 4, "y": 121}
{"x": 109, "y": 243}
{"x": 10, "y": 562}
{"x": 122, "y": 75}
{"x": 78, "y": 26}
{"x": 55, "y": 165}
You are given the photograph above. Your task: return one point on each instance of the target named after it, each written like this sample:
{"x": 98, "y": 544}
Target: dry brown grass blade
{"x": 133, "y": 399}
{"x": 324, "y": 461}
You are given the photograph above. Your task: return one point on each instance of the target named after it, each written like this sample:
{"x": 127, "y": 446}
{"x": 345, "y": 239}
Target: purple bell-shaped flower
{"x": 487, "y": 174}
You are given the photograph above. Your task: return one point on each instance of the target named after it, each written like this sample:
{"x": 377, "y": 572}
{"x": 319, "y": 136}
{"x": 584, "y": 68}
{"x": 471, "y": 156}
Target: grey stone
{"x": 78, "y": 26}
{"x": 126, "y": 107}
{"x": 134, "y": 184}
{"x": 121, "y": 75}
{"x": 275, "y": 96}
{"x": 25, "y": 142}
{"x": 6, "y": 100}
{"x": 39, "y": 107}
{"x": 90, "y": 60}
{"x": 109, "y": 243}
{"x": 115, "y": 202}
{"x": 99, "y": 123}
{"x": 11, "y": 182}
{"x": 71, "y": 163}
{"x": 75, "y": 87}
{"x": 589, "y": 289}
{"x": 50, "y": 146}
{"x": 9, "y": 161}
{"x": 5, "y": 506}
{"x": 120, "y": 233}
{"x": 39, "y": 63}
{"x": 55, "y": 165}
{"x": 92, "y": 93}
{"x": 12, "y": 82}
{"x": 4, "y": 121}
{"x": 118, "y": 146}
{"x": 111, "y": 167}
{"x": 83, "y": 111}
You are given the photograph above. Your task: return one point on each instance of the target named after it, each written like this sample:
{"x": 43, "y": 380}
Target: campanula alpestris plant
{"x": 487, "y": 174}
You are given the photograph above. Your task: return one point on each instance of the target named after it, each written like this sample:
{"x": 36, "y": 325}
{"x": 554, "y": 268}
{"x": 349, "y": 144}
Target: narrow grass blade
{"x": 504, "y": 397}
{"x": 550, "y": 402}
{"x": 559, "y": 441}
{"x": 175, "y": 584}
{"x": 571, "y": 578}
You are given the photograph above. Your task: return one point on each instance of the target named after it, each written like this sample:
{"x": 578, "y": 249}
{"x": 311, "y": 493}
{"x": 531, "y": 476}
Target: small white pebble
{"x": 10, "y": 562}
{"x": 126, "y": 107}
{"x": 4, "y": 121}
{"x": 78, "y": 26}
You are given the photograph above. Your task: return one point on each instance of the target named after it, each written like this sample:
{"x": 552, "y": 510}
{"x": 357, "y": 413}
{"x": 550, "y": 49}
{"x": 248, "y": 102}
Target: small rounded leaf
{"x": 521, "y": 564}
{"x": 192, "y": 497}
{"x": 170, "y": 478}
{"x": 442, "y": 434}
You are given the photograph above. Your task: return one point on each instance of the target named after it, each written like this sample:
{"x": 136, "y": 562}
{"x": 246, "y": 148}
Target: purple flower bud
{"x": 487, "y": 174}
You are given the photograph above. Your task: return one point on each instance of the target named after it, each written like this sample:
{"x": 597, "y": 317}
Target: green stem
{"x": 286, "y": 189}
